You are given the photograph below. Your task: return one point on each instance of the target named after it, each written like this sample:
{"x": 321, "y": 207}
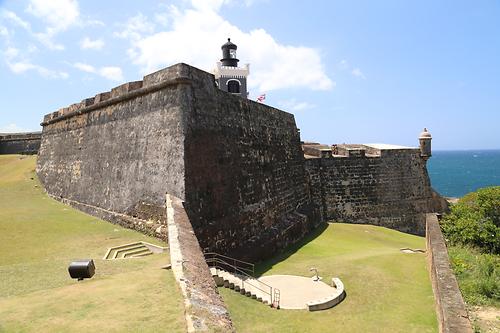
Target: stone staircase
{"x": 132, "y": 250}
{"x": 249, "y": 287}
{"x": 238, "y": 276}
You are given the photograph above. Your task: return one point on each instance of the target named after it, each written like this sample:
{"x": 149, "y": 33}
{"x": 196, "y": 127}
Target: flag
{"x": 261, "y": 98}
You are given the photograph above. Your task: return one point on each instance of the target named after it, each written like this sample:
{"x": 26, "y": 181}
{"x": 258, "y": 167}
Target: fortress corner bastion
{"x": 237, "y": 164}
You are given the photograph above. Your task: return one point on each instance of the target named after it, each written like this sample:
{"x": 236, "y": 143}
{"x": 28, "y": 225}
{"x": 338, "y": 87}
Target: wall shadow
{"x": 266, "y": 265}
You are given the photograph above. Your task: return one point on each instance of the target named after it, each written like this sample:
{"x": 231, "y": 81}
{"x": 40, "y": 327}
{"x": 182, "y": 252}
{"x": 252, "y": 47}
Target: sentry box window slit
{"x": 82, "y": 269}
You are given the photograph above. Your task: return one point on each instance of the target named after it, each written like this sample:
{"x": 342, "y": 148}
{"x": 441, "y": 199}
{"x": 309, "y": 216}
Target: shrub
{"x": 475, "y": 220}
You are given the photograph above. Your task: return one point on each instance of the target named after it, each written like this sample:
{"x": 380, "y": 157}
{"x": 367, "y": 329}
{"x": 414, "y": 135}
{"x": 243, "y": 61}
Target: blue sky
{"x": 350, "y": 71}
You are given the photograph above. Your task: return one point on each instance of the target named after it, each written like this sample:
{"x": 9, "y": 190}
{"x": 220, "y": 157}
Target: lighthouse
{"x": 228, "y": 76}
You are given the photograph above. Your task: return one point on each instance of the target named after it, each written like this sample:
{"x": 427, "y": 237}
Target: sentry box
{"x": 82, "y": 269}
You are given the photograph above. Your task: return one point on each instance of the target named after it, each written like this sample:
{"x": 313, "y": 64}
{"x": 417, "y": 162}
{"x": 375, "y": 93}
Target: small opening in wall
{"x": 233, "y": 87}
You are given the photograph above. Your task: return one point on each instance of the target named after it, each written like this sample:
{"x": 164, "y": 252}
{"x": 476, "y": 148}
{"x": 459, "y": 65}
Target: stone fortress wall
{"x": 20, "y": 143}
{"x": 248, "y": 185}
{"x": 376, "y": 184}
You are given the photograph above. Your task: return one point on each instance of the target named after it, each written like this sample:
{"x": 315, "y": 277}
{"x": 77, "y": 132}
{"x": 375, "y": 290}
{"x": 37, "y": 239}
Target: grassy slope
{"x": 40, "y": 236}
{"x": 387, "y": 291}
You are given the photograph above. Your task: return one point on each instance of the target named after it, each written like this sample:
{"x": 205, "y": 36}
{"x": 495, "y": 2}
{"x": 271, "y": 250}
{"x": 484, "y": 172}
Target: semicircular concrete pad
{"x": 297, "y": 291}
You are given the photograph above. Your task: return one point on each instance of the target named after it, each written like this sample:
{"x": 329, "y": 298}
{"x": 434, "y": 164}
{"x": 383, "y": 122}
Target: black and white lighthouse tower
{"x": 228, "y": 75}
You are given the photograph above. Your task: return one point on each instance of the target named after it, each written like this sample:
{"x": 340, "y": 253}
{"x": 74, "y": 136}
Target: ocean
{"x": 456, "y": 173}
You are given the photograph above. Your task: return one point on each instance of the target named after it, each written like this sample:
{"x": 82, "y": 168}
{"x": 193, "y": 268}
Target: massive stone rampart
{"x": 387, "y": 186}
{"x": 20, "y": 143}
{"x": 237, "y": 164}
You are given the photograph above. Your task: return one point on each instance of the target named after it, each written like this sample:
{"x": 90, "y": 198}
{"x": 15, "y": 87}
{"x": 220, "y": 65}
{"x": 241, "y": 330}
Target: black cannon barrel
{"x": 82, "y": 269}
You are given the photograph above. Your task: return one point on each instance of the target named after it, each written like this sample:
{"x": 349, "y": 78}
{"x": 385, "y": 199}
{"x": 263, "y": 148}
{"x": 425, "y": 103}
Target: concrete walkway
{"x": 297, "y": 291}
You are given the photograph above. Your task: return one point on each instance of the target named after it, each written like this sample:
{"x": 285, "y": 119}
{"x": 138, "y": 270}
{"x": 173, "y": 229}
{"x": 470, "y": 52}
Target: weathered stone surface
{"x": 452, "y": 315}
{"x": 390, "y": 188}
{"x": 20, "y": 143}
{"x": 205, "y": 309}
{"x": 117, "y": 156}
{"x": 245, "y": 190}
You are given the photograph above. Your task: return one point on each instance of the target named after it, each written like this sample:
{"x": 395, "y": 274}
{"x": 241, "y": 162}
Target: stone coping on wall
{"x": 170, "y": 76}
{"x": 317, "y": 150}
{"x": 450, "y": 307}
{"x": 204, "y": 307}
{"x": 20, "y": 136}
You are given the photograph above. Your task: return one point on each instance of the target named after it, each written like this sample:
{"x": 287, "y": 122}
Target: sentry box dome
{"x": 82, "y": 269}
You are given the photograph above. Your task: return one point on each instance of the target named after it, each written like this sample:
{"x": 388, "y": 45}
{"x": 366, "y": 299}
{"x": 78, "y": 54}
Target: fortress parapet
{"x": 378, "y": 184}
{"x": 170, "y": 76}
{"x": 20, "y": 143}
{"x": 317, "y": 150}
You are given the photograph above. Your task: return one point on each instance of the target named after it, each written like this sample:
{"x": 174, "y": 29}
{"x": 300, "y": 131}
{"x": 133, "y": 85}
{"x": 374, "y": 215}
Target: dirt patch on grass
{"x": 487, "y": 318}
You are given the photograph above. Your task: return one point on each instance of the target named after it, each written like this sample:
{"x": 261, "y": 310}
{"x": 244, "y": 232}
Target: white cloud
{"x": 13, "y": 128}
{"x": 85, "y": 67}
{"x": 59, "y": 15}
{"x": 94, "y": 23}
{"x": 46, "y": 39}
{"x": 18, "y": 65}
{"x": 196, "y": 35}
{"x": 88, "y": 43}
{"x": 10, "y": 53}
{"x": 3, "y": 31}
{"x": 294, "y": 105}
{"x": 112, "y": 73}
{"x": 358, "y": 73}
{"x": 43, "y": 37}
{"x": 208, "y": 5}
{"x": 136, "y": 26}
{"x": 343, "y": 64}
{"x": 11, "y": 16}
{"x": 355, "y": 71}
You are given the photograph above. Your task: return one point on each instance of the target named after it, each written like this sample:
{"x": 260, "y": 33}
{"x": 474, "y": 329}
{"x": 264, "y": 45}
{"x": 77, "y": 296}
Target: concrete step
{"x": 121, "y": 252}
{"x": 138, "y": 252}
{"x": 242, "y": 284}
{"x": 123, "y": 248}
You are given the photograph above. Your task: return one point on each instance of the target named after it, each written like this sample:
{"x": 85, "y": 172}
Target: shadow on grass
{"x": 266, "y": 265}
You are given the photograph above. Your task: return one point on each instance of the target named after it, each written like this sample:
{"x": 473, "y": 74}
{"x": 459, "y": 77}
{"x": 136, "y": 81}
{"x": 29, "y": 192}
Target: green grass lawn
{"x": 387, "y": 291}
{"x": 39, "y": 237}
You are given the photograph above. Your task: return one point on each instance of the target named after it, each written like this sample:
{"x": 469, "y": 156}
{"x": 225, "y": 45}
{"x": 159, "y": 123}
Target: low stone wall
{"x": 20, "y": 143}
{"x": 204, "y": 307}
{"x": 450, "y": 307}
